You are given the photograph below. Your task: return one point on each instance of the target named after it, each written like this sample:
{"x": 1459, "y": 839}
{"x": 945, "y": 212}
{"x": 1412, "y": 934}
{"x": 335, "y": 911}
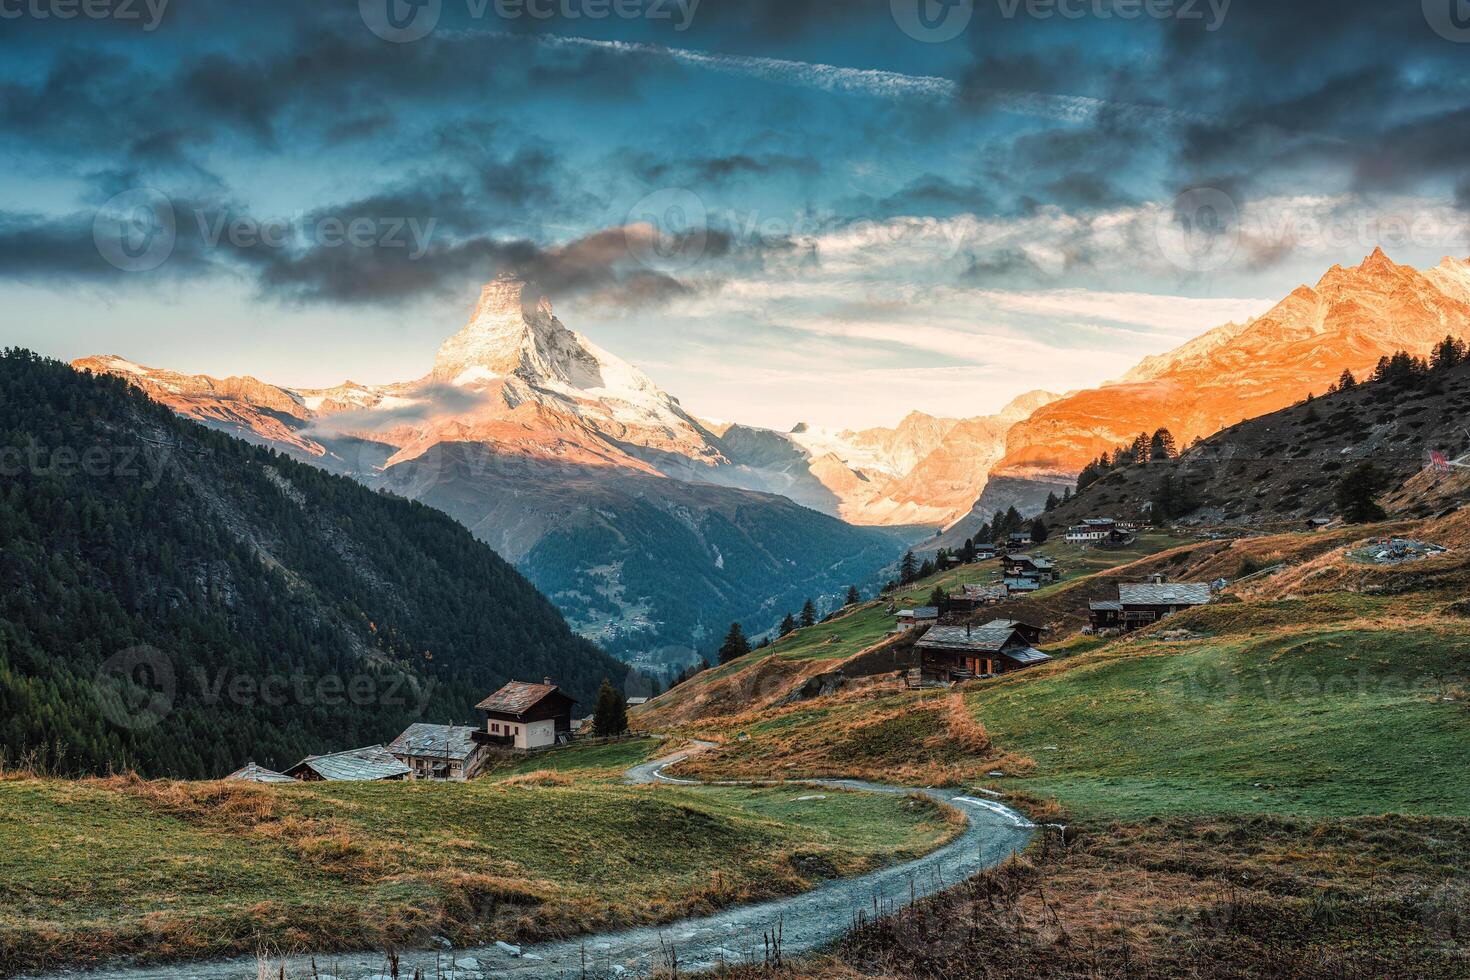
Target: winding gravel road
{"x": 737, "y": 935}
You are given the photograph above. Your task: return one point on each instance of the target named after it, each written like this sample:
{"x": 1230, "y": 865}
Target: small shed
{"x": 251, "y": 773}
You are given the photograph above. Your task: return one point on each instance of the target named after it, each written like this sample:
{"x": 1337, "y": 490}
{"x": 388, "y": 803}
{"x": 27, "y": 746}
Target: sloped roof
{"x": 1011, "y": 624}
{"x": 983, "y": 639}
{"x": 452, "y": 742}
{"x": 1028, "y": 656}
{"x": 251, "y": 773}
{"x": 355, "y": 765}
{"x": 1167, "y": 594}
{"x": 517, "y": 698}
{"x": 1106, "y": 606}
{"x": 922, "y": 612}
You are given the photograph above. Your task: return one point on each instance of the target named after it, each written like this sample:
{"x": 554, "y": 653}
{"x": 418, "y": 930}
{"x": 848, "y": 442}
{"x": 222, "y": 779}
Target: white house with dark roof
{"x": 439, "y": 751}
{"x": 526, "y": 716}
{"x": 910, "y": 619}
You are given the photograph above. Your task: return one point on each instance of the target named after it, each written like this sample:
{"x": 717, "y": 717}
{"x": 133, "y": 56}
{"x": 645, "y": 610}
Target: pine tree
{"x": 1347, "y": 382}
{"x": 808, "y": 614}
{"x": 1052, "y": 503}
{"x": 938, "y": 599}
{"x": 1357, "y": 493}
{"x": 611, "y": 715}
{"x": 853, "y": 595}
{"x": 735, "y": 645}
{"x": 1138, "y": 452}
{"x": 1039, "y": 531}
{"x": 926, "y": 569}
{"x": 908, "y": 570}
{"x": 1449, "y": 353}
{"x": 1162, "y": 446}
{"x": 1014, "y": 521}
{"x": 788, "y": 626}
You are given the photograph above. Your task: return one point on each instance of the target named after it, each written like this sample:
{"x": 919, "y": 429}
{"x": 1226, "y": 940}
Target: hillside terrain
{"x": 1347, "y": 321}
{"x": 574, "y": 466}
{"x": 1266, "y": 785}
{"x": 179, "y": 601}
{"x": 1287, "y": 466}
{"x": 859, "y": 640}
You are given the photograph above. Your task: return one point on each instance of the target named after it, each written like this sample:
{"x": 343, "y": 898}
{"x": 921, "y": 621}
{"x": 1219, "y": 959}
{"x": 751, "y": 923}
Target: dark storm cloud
{"x": 720, "y": 170}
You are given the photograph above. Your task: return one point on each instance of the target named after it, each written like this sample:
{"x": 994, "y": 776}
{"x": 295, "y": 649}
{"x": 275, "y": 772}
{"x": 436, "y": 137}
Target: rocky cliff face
{"x": 1351, "y": 318}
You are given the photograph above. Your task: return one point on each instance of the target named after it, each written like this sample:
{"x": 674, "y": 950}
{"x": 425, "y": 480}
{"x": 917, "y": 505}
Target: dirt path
{"x": 738, "y": 935}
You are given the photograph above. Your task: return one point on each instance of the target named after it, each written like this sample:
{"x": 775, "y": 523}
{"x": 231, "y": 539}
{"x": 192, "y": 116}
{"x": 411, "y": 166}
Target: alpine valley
{"x": 649, "y": 528}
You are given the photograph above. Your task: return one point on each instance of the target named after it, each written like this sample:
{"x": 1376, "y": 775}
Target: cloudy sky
{"x": 784, "y": 210}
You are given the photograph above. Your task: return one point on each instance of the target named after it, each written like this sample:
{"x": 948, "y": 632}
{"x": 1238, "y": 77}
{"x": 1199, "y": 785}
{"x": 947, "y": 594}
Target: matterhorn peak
{"x": 511, "y": 331}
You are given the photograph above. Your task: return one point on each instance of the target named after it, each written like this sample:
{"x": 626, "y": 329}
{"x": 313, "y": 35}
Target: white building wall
{"x": 536, "y": 735}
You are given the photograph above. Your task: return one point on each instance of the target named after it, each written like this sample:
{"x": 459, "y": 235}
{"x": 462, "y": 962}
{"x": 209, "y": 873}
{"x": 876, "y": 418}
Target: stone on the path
{"x": 507, "y": 948}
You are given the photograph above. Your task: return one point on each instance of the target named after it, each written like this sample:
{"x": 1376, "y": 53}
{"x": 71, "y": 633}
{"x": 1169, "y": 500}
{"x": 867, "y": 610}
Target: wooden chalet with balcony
{"x": 951, "y": 654}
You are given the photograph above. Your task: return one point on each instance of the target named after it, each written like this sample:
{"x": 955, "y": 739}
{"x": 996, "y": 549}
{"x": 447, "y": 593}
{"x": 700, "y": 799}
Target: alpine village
{"x": 911, "y": 490}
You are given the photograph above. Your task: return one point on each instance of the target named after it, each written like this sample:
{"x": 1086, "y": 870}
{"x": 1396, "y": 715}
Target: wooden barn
{"x": 949, "y": 654}
{"x": 1140, "y": 605}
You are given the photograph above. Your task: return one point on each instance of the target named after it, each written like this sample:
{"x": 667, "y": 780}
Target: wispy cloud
{"x": 870, "y": 82}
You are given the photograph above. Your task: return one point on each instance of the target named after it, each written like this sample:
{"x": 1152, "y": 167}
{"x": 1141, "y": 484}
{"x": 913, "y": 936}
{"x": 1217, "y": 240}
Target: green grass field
{"x": 587, "y": 761}
{"x": 179, "y": 870}
{"x": 1329, "y": 723}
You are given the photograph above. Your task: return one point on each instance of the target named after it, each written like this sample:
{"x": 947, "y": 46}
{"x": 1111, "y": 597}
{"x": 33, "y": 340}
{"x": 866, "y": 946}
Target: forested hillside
{"x": 176, "y": 600}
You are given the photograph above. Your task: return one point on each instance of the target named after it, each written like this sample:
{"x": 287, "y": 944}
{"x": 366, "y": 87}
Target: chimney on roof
{"x": 546, "y": 681}
{"x": 967, "y": 630}
{"x": 1157, "y": 578}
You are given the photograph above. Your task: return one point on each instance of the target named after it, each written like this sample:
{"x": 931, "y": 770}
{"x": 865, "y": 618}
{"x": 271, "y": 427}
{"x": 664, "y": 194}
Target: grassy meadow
{"x": 167, "y": 871}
